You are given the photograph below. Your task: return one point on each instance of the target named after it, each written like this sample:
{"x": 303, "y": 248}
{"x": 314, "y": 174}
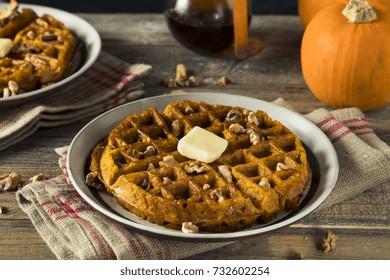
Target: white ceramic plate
{"x": 321, "y": 154}
{"x": 85, "y": 57}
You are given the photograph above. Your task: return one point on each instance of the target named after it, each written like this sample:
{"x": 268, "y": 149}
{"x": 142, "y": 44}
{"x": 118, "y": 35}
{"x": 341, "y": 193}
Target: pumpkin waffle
{"x": 48, "y": 45}
{"x": 263, "y": 171}
{"x": 42, "y": 52}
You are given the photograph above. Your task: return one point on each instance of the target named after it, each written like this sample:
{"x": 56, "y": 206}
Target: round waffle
{"x": 42, "y": 52}
{"x": 263, "y": 171}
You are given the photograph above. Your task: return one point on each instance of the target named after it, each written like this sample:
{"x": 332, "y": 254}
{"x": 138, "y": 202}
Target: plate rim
{"x": 93, "y": 52}
{"x": 209, "y": 237}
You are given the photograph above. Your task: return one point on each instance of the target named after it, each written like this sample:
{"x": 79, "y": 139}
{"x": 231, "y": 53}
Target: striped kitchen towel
{"x": 110, "y": 82}
{"x": 74, "y": 230}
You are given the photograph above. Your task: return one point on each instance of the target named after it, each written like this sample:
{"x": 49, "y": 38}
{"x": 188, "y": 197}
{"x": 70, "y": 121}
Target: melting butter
{"x": 201, "y": 144}
{"x": 5, "y": 46}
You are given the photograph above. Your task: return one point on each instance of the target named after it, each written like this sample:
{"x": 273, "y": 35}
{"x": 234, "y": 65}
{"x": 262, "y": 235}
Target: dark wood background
{"x": 286, "y": 7}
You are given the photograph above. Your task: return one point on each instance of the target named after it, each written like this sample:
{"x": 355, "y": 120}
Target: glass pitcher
{"x": 203, "y": 26}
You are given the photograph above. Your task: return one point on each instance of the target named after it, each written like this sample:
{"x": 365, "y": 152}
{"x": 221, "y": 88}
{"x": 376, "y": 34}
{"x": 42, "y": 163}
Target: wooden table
{"x": 272, "y": 73}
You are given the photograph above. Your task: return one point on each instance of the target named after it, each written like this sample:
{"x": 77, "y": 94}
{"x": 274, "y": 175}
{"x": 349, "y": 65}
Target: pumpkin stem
{"x": 358, "y": 11}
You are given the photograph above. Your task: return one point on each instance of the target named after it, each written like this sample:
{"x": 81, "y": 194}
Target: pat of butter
{"x": 201, "y": 144}
{"x": 5, "y": 46}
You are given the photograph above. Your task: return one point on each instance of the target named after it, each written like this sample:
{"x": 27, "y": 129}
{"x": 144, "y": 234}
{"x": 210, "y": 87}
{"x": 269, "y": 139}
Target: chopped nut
{"x": 92, "y": 180}
{"x": 223, "y": 81}
{"x": 168, "y": 161}
{"x": 265, "y": 183}
{"x": 188, "y": 227}
{"x": 236, "y": 128}
{"x": 149, "y": 151}
{"x": 13, "y": 86}
{"x": 31, "y": 35}
{"x": 3, "y": 210}
{"x": 38, "y": 177}
{"x": 169, "y": 83}
{"x": 281, "y": 166}
{"x": 193, "y": 82}
{"x": 10, "y": 181}
{"x": 167, "y": 180}
{"x": 232, "y": 115}
{"x": 226, "y": 173}
{"x": 298, "y": 256}
{"x": 13, "y": 5}
{"x": 206, "y": 187}
{"x": 151, "y": 166}
{"x": 176, "y": 128}
{"x": 329, "y": 243}
{"x": 193, "y": 168}
{"x": 181, "y": 73}
{"x": 252, "y": 118}
{"x": 217, "y": 195}
{"x": 188, "y": 110}
{"x": 181, "y": 79}
{"x": 6, "y": 92}
{"x": 254, "y": 138}
{"x": 42, "y": 22}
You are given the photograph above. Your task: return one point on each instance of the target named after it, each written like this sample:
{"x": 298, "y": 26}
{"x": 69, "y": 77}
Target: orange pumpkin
{"x": 345, "y": 54}
{"x": 308, "y": 8}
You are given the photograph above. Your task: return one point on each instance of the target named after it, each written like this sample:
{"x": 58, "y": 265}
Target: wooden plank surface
{"x": 362, "y": 223}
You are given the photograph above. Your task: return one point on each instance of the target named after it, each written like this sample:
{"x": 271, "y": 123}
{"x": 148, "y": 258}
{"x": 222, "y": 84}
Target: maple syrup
{"x": 207, "y": 33}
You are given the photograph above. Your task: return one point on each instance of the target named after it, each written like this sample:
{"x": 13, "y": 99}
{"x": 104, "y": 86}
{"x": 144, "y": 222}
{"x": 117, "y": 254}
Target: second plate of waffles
{"x": 259, "y": 183}
{"x": 42, "y": 48}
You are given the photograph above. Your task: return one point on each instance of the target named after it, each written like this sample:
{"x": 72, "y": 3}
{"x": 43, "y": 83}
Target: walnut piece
{"x": 188, "y": 227}
{"x": 226, "y": 173}
{"x": 232, "y": 115}
{"x": 298, "y": 256}
{"x": 3, "y": 210}
{"x": 92, "y": 180}
{"x": 206, "y": 187}
{"x": 168, "y": 161}
{"x": 217, "y": 195}
{"x": 176, "y": 128}
{"x": 10, "y": 181}
{"x": 151, "y": 166}
{"x": 36, "y": 178}
{"x": 254, "y": 138}
{"x": 252, "y": 118}
{"x": 222, "y": 81}
{"x": 167, "y": 180}
{"x": 192, "y": 167}
{"x": 264, "y": 183}
{"x": 181, "y": 79}
{"x": 149, "y": 151}
{"x": 236, "y": 128}
{"x": 329, "y": 243}
{"x": 281, "y": 166}
{"x": 181, "y": 73}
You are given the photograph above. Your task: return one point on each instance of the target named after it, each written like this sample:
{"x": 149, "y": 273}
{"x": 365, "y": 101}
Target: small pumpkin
{"x": 307, "y": 9}
{"x": 345, "y": 54}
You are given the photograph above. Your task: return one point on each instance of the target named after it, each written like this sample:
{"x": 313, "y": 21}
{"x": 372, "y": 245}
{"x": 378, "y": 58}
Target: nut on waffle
{"x": 263, "y": 171}
{"x": 42, "y": 52}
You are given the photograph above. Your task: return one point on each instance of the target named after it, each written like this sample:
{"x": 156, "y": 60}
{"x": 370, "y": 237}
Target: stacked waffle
{"x": 263, "y": 171}
{"x": 42, "y": 50}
